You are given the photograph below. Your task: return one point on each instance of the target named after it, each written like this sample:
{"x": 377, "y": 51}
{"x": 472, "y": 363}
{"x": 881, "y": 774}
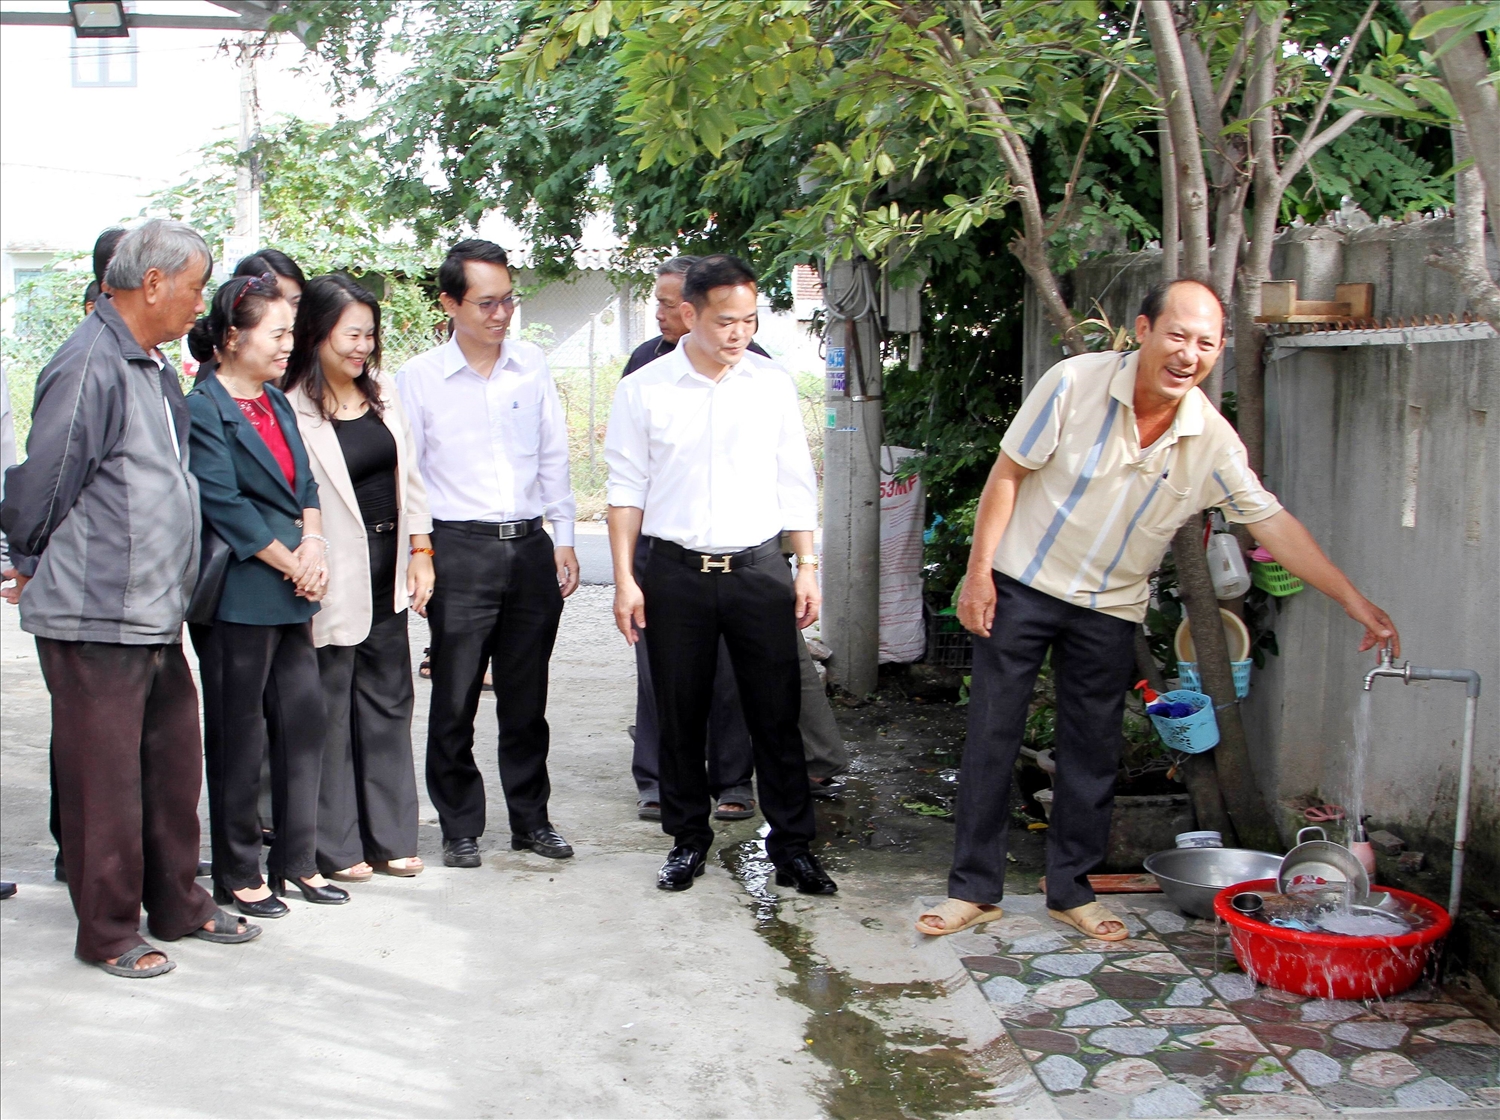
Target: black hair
{"x": 104, "y": 250}
{"x": 1156, "y": 299}
{"x": 324, "y": 299}
{"x": 451, "y": 277}
{"x": 239, "y": 304}
{"x": 90, "y": 294}
{"x": 718, "y": 271}
{"x": 275, "y": 261}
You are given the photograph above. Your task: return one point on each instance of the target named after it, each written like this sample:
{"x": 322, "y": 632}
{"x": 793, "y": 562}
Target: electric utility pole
{"x": 851, "y": 477}
{"x": 245, "y": 238}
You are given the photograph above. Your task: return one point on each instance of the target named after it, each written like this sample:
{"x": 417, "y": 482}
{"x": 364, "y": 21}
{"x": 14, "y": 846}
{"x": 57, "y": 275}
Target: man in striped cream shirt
{"x": 1108, "y": 456}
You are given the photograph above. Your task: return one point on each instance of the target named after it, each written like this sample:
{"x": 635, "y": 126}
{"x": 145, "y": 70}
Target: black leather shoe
{"x": 325, "y": 896}
{"x": 268, "y": 907}
{"x": 462, "y": 852}
{"x": 544, "y": 841}
{"x": 804, "y": 872}
{"x": 684, "y": 864}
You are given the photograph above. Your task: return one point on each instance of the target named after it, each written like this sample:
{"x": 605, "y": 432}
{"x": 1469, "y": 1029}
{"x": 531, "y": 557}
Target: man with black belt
{"x": 708, "y": 458}
{"x": 492, "y": 444}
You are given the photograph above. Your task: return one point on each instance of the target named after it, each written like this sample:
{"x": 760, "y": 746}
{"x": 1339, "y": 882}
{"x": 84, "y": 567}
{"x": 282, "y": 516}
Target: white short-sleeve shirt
{"x": 1093, "y": 520}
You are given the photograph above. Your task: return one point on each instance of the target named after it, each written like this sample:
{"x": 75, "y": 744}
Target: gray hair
{"x": 677, "y": 266}
{"x": 161, "y": 244}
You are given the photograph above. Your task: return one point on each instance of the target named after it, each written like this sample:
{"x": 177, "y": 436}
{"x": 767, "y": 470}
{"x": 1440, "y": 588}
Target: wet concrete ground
{"x": 532, "y": 988}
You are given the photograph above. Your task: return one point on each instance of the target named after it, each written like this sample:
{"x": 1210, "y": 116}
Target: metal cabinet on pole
{"x": 851, "y": 477}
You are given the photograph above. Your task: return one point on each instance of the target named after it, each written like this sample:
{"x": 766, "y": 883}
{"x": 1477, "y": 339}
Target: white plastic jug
{"x": 1226, "y": 566}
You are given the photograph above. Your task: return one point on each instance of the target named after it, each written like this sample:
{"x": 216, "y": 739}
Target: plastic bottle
{"x": 1226, "y": 566}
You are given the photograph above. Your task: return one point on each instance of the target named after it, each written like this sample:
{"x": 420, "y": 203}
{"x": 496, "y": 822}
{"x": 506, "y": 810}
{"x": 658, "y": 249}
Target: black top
{"x": 370, "y": 454}
{"x": 654, "y": 348}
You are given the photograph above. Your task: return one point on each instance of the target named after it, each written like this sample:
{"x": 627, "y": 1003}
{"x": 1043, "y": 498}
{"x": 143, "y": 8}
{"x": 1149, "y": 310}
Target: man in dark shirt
{"x": 668, "y": 295}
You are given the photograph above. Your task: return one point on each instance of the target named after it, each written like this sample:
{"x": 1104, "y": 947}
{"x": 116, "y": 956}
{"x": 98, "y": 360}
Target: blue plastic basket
{"x": 1192, "y": 734}
{"x": 1187, "y": 674}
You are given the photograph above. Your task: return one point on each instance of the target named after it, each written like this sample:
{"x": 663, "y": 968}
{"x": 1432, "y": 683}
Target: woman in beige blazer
{"x": 379, "y": 562}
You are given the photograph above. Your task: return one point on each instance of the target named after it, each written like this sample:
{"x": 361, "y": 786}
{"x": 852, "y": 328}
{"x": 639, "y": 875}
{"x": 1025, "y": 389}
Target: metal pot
{"x": 1191, "y": 877}
{"x": 1322, "y": 862}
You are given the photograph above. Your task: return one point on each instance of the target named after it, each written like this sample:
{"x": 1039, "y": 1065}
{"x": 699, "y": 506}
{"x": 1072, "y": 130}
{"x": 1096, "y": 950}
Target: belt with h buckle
{"x": 495, "y": 530}
{"x": 721, "y": 563}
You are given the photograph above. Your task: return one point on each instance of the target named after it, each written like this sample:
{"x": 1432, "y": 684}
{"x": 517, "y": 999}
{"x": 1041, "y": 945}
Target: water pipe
{"x": 1470, "y": 680}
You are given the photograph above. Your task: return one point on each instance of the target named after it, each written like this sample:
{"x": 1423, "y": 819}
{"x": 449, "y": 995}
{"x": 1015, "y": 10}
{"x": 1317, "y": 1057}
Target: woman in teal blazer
{"x": 261, "y": 687}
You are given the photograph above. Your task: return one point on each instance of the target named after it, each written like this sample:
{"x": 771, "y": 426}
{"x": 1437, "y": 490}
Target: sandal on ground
{"x": 648, "y": 810}
{"x": 725, "y": 811}
{"x": 404, "y": 868}
{"x": 228, "y": 930}
{"x": 125, "y": 963}
{"x": 360, "y": 873}
{"x": 1090, "y": 919}
{"x": 952, "y": 916}
{"x": 425, "y": 669}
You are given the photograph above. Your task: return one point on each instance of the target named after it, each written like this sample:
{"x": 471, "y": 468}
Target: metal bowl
{"x": 1322, "y": 862}
{"x": 1191, "y": 877}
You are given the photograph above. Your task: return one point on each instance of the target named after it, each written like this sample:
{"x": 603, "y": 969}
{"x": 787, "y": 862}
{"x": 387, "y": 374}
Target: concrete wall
{"x": 1389, "y": 455}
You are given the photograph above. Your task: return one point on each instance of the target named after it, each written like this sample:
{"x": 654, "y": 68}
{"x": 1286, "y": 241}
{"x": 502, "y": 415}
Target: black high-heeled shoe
{"x": 327, "y": 896}
{"x": 268, "y": 907}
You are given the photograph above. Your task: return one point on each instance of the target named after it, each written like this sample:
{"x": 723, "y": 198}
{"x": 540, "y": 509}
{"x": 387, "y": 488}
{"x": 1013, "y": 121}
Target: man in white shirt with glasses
{"x": 492, "y": 444}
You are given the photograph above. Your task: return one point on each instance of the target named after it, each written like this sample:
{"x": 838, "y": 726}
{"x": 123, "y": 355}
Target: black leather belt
{"x": 381, "y": 527}
{"x": 496, "y": 530}
{"x": 721, "y": 563}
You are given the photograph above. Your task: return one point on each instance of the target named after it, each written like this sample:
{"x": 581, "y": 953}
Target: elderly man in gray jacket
{"x": 102, "y": 521}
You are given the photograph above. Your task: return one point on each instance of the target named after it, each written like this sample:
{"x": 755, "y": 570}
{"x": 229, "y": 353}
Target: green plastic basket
{"x": 1273, "y": 579}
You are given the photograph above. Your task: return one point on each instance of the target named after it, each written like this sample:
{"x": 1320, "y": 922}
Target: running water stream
{"x": 1354, "y": 804}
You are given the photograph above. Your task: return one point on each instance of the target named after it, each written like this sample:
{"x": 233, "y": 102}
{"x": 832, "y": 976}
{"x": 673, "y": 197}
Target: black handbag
{"x": 213, "y": 566}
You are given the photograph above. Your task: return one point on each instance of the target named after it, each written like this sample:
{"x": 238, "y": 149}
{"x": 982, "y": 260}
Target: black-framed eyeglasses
{"x": 265, "y": 285}
{"x": 488, "y": 307}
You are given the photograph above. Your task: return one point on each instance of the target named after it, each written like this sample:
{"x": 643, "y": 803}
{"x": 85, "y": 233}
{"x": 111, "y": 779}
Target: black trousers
{"x": 127, "y": 771}
{"x": 754, "y": 611}
{"x": 495, "y": 603}
{"x": 261, "y": 691}
{"x": 367, "y": 799}
{"x": 731, "y": 757}
{"x": 1093, "y": 663}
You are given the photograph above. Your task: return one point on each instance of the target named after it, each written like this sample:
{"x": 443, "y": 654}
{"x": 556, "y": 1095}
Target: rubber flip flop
{"x": 947, "y": 912}
{"x": 125, "y": 963}
{"x": 744, "y": 814}
{"x": 1089, "y": 919}
{"x": 228, "y": 930}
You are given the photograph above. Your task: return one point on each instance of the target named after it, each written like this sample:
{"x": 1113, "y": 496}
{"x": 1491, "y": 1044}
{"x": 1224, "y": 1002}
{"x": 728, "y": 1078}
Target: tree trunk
{"x": 1191, "y": 180}
{"x": 1466, "y": 75}
{"x": 1171, "y": 235}
{"x": 1252, "y": 821}
{"x": 1197, "y": 770}
{"x": 1465, "y": 259}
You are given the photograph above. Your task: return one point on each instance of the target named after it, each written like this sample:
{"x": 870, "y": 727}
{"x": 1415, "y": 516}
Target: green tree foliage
{"x": 45, "y": 308}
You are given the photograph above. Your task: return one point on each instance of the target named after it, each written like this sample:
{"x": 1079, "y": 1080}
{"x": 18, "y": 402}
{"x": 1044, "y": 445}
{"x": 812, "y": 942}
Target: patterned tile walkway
{"x": 1162, "y": 1025}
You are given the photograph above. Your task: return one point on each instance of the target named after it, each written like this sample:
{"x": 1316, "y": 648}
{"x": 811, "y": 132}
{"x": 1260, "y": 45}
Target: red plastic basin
{"x": 1331, "y": 965}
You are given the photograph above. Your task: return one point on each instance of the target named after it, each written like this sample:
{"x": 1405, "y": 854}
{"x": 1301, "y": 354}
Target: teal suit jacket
{"x": 245, "y": 498}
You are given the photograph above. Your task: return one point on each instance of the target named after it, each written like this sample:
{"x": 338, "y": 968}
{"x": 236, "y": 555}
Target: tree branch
{"x": 1316, "y": 120}
{"x": 1192, "y": 183}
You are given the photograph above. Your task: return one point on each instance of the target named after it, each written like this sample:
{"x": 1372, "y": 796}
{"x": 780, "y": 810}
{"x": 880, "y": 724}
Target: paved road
{"x": 524, "y": 988}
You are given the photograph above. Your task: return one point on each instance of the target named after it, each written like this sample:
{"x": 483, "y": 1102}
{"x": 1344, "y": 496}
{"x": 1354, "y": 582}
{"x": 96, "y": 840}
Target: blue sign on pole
{"x": 835, "y": 367}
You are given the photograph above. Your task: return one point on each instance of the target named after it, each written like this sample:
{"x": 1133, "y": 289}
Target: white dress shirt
{"x": 490, "y": 448}
{"x": 716, "y": 466}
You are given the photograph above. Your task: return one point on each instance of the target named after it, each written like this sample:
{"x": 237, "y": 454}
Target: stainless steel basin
{"x": 1191, "y": 877}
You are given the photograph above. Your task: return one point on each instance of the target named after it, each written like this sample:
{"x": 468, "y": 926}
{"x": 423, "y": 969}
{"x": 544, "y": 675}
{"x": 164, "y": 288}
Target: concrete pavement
{"x": 525, "y": 988}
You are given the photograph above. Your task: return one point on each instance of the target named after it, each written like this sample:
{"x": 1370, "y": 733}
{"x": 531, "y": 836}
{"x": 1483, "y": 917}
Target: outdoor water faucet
{"x": 1387, "y": 668}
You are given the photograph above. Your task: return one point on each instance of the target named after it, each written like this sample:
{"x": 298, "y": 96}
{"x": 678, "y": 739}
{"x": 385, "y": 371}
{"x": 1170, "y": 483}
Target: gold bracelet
{"x": 423, "y": 552}
{"x": 807, "y": 561}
